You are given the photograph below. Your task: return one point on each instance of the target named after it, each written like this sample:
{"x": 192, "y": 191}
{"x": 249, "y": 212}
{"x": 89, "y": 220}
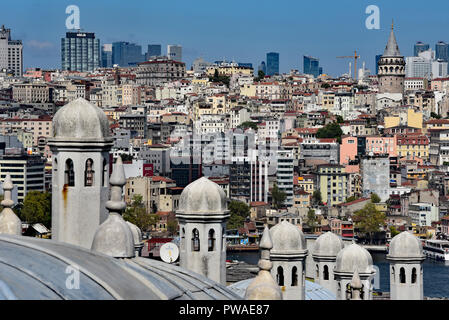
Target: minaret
{"x": 325, "y": 252}
{"x": 406, "y": 272}
{"x": 288, "y": 256}
{"x": 80, "y": 145}
{"x": 9, "y": 222}
{"x": 202, "y": 217}
{"x": 391, "y": 71}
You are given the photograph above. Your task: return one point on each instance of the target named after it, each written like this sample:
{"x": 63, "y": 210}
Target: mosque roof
{"x": 313, "y": 291}
{"x": 35, "y": 269}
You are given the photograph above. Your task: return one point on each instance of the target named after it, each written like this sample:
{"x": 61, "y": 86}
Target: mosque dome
{"x": 80, "y": 120}
{"x": 328, "y": 245}
{"x": 287, "y": 238}
{"x": 202, "y": 197}
{"x": 352, "y": 257}
{"x": 43, "y": 269}
{"x": 137, "y": 234}
{"x": 405, "y": 246}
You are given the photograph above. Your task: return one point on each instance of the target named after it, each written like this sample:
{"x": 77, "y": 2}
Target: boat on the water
{"x": 436, "y": 249}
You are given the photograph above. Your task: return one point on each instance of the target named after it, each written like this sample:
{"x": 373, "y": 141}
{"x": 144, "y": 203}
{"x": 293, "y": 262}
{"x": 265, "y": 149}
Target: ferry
{"x": 436, "y": 249}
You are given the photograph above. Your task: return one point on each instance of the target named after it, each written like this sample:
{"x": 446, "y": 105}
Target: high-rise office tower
{"x": 311, "y": 66}
{"x": 174, "y": 52}
{"x": 154, "y": 50}
{"x": 80, "y": 51}
{"x": 272, "y": 63}
{"x": 126, "y": 54}
{"x": 11, "y": 52}
{"x": 106, "y": 55}
{"x": 377, "y": 62}
{"x": 442, "y": 51}
{"x": 420, "y": 47}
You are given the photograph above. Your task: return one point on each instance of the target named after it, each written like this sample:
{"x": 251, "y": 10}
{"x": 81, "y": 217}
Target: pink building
{"x": 348, "y": 149}
{"x": 381, "y": 145}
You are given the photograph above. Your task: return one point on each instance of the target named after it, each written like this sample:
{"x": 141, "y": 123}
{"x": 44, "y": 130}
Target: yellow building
{"x": 413, "y": 145}
{"x": 410, "y": 118}
{"x": 333, "y": 183}
{"x": 248, "y": 90}
{"x": 306, "y": 183}
{"x": 229, "y": 70}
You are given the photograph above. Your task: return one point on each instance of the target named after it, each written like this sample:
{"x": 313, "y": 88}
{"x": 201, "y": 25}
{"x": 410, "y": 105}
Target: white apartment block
{"x": 11, "y": 52}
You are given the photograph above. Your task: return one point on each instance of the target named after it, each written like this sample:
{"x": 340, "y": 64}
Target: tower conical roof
{"x": 392, "y": 49}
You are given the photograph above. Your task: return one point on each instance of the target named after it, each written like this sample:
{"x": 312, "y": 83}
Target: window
{"x": 317, "y": 271}
{"x": 392, "y": 272}
{"x": 104, "y": 176}
{"x": 414, "y": 275}
{"x": 326, "y": 273}
{"x": 294, "y": 277}
{"x": 89, "y": 173}
{"x": 280, "y": 276}
{"x": 211, "y": 240}
{"x": 195, "y": 240}
{"x": 402, "y": 275}
{"x": 69, "y": 177}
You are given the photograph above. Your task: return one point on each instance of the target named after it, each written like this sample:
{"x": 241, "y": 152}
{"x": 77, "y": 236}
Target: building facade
{"x": 80, "y": 51}
{"x": 11, "y": 52}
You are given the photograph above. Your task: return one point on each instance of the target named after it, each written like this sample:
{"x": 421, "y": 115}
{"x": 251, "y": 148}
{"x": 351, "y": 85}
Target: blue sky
{"x": 243, "y": 30}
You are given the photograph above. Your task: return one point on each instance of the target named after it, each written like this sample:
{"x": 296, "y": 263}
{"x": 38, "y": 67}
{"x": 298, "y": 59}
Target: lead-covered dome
{"x": 328, "y": 245}
{"x": 287, "y": 238}
{"x": 82, "y": 120}
{"x": 352, "y": 257}
{"x": 202, "y": 197}
{"x": 405, "y": 246}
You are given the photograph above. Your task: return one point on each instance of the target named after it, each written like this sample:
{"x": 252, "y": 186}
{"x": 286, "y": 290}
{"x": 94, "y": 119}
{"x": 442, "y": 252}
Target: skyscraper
{"x": 11, "y": 52}
{"x": 126, "y": 54}
{"x": 80, "y": 51}
{"x": 272, "y": 63}
{"x": 106, "y": 55}
{"x": 174, "y": 52}
{"x": 262, "y": 67}
{"x": 442, "y": 51}
{"x": 420, "y": 47}
{"x": 154, "y": 50}
{"x": 311, "y": 66}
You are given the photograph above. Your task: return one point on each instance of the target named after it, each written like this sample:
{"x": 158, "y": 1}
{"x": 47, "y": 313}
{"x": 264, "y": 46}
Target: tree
{"x": 351, "y": 198}
{"x": 137, "y": 214}
{"x": 394, "y": 231}
{"x": 340, "y": 119}
{"x": 260, "y": 75}
{"x": 369, "y": 219}
{"x": 375, "y": 198}
{"x": 238, "y": 211}
{"x": 435, "y": 115}
{"x": 316, "y": 197}
{"x": 172, "y": 226}
{"x": 248, "y": 124}
{"x": 331, "y": 130}
{"x": 37, "y": 208}
{"x": 311, "y": 218}
{"x": 278, "y": 197}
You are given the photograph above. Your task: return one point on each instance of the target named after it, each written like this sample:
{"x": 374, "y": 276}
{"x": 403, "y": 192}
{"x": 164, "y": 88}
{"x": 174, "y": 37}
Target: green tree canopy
{"x": 238, "y": 211}
{"x": 311, "y": 218}
{"x": 172, "y": 226}
{"x": 260, "y": 75}
{"x": 331, "y": 130}
{"x": 37, "y": 208}
{"x": 375, "y": 198}
{"x": 137, "y": 214}
{"x": 278, "y": 196}
{"x": 394, "y": 231}
{"x": 369, "y": 219}
{"x": 340, "y": 119}
{"x": 248, "y": 124}
{"x": 316, "y": 197}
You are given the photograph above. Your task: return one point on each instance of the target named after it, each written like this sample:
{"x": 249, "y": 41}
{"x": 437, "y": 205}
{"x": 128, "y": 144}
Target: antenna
{"x": 169, "y": 252}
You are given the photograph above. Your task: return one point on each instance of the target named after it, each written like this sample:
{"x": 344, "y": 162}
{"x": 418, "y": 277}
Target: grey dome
{"x": 82, "y": 120}
{"x": 354, "y": 257}
{"x": 202, "y": 197}
{"x": 328, "y": 245}
{"x": 137, "y": 234}
{"x": 405, "y": 245}
{"x": 42, "y": 269}
{"x": 287, "y": 238}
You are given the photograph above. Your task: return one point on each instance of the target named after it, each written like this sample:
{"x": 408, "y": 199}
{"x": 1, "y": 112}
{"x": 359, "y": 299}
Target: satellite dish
{"x": 169, "y": 252}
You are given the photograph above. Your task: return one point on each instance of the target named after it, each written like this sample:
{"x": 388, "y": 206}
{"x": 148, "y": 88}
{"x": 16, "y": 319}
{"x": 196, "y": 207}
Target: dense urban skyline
{"x": 243, "y": 33}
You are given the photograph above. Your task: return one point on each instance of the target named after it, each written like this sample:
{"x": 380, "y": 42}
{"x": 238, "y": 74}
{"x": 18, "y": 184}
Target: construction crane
{"x": 355, "y": 57}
